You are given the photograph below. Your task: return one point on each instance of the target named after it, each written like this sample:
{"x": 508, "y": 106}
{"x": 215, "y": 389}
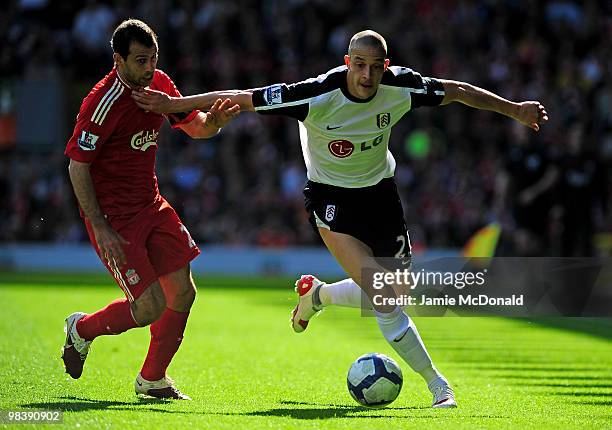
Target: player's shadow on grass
{"x": 331, "y": 405}
{"x": 76, "y": 404}
{"x": 323, "y": 411}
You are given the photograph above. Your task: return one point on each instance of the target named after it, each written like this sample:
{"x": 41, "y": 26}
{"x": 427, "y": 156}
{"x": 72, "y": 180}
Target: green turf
{"x": 246, "y": 369}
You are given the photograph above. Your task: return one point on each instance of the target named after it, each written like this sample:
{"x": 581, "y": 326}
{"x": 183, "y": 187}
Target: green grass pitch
{"x": 246, "y": 369}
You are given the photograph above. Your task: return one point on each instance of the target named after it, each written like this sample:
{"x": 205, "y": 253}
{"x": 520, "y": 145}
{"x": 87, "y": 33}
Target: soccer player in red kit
{"x": 134, "y": 230}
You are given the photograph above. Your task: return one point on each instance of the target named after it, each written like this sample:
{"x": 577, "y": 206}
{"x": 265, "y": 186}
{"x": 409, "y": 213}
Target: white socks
{"x": 396, "y": 326}
{"x": 342, "y": 293}
{"x": 402, "y": 335}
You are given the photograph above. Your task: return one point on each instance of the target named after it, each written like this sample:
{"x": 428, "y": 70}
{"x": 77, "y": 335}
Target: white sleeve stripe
{"x": 103, "y": 100}
{"x": 107, "y": 105}
{"x": 282, "y": 105}
{"x": 417, "y": 90}
{"x": 110, "y": 103}
{"x": 410, "y": 89}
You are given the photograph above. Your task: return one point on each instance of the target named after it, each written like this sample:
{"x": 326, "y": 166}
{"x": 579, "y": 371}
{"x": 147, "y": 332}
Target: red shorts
{"x": 159, "y": 244}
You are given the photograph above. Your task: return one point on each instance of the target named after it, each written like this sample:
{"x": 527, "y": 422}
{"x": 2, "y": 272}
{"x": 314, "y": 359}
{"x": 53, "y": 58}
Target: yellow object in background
{"x": 483, "y": 242}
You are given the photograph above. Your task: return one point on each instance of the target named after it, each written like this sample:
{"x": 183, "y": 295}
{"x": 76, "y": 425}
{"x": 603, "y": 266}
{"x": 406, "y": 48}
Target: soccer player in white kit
{"x": 345, "y": 120}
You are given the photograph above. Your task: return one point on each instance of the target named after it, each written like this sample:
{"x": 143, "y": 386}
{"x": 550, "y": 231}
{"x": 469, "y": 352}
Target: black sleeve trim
{"x": 293, "y": 99}
{"x": 424, "y": 91}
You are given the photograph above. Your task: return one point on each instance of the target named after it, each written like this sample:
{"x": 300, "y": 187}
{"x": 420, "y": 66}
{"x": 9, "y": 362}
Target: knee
{"x": 157, "y": 309}
{"x": 184, "y": 298}
{"x": 151, "y": 313}
{"x": 150, "y": 309}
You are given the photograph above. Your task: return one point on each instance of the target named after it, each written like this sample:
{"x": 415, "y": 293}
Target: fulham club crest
{"x": 383, "y": 119}
{"x": 330, "y": 213}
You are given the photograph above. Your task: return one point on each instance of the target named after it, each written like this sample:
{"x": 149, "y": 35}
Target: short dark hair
{"x": 368, "y": 38}
{"x": 132, "y": 30}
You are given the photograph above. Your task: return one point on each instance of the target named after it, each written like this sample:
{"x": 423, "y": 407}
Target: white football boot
{"x": 305, "y": 309}
{"x": 443, "y": 395}
{"x": 75, "y": 348}
{"x": 161, "y": 389}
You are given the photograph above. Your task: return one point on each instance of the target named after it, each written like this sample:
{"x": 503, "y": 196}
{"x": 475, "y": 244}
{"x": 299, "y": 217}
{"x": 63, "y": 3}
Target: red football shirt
{"x": 119, "y": 140}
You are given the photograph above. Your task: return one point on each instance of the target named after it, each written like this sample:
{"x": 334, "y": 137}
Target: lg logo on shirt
{"x": 341, "y": 148}
{"x": 144, "y": 139}
{"x": 344, "y": 148}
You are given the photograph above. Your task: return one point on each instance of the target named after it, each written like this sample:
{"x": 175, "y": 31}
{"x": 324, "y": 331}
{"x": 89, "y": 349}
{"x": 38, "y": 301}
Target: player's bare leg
{"x": 166, "y": 336}
{"x": 119, "y": 316}
{"x": 398, "y": 329}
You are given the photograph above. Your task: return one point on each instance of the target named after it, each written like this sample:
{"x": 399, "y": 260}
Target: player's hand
{"x": 152, "y": 100}
{"x": 221, "y": 113}
{"x": 110, "y": 243}
{"x": 532, "y": 114}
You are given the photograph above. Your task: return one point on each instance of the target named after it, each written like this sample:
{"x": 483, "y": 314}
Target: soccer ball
{"x": 374, "y": 380}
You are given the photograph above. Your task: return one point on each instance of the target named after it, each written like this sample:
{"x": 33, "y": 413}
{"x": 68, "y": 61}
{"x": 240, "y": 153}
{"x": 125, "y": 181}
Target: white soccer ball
{"x": 374, "y": 380}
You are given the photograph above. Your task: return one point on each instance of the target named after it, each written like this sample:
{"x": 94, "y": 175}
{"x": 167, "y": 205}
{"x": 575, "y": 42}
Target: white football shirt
{"x": 345, "y": 140}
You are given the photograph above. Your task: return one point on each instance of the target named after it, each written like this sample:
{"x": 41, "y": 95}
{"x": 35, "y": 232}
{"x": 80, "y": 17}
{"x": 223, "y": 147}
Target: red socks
{"x": 113, "y": 319}
{"x": 166, "y": 336}
{"x": 166, "y": 333}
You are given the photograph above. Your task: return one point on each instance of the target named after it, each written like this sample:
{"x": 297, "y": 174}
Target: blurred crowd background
{"x": 458, "y": 169}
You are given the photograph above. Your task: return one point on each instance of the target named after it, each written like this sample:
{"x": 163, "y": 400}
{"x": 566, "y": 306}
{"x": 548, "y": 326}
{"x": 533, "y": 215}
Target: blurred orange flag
{"x": 483, "y": 242}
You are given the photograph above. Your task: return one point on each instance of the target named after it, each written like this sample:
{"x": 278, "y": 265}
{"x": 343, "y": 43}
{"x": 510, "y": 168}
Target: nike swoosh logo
{"x": 399, "y": 338}
{"x": 329, "y": 127}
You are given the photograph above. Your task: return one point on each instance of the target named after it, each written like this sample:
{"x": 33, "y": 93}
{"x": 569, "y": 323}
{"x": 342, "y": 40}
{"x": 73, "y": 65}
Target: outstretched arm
{"x": 529, "y": 113}
{"x": 160, "y": 102}
{"x": 208, "y": 124}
